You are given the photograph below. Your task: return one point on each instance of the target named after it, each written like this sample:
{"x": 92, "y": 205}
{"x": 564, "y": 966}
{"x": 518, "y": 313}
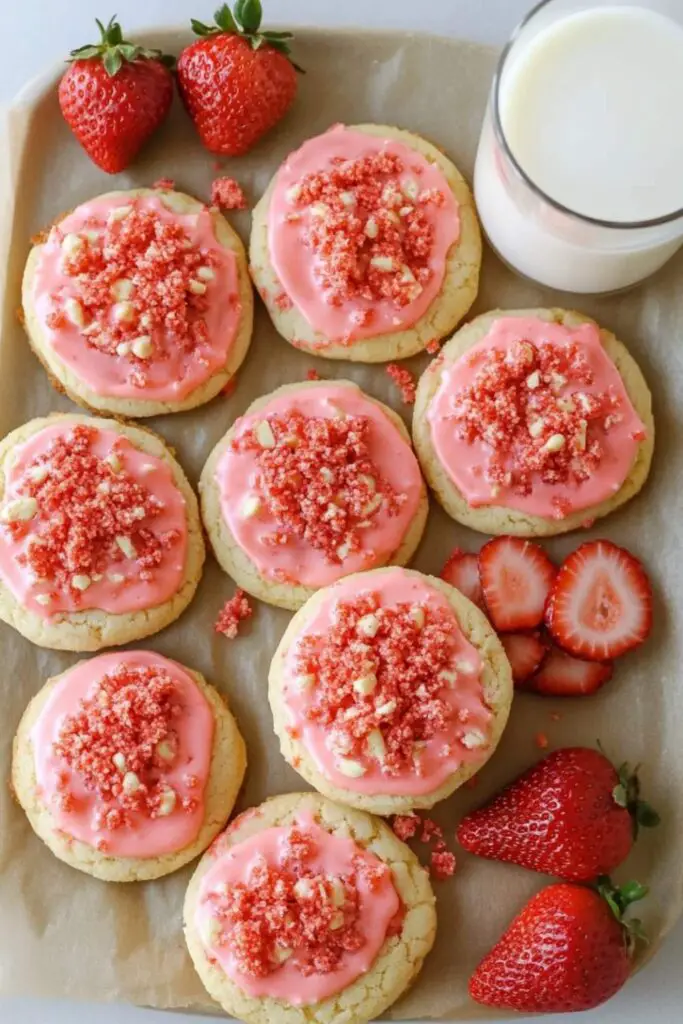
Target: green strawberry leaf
{"x": 250, "y": 16}
{"x": 112, "y": 61}
{"x": 646, "y": 816}
{"x": 239, "y": 4}
{"x": 83, "y": 52}
{"x": 200, "y": 29}
{"x": 270, "y": 35}
{"x": 224, "y": 19}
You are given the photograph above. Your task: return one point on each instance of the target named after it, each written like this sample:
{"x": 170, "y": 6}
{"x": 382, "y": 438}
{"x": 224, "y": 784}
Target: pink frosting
{"x": 237, "y": 476}
{"x": 128, "y": 595}
{"x": 465, "y": 462}
{"x": 295, "y": 264}
{"x": 143, "y": 836}
{"x": 175, "y": 369}
{"x": 333, "y": 856}
{"x": 445, "y": 752}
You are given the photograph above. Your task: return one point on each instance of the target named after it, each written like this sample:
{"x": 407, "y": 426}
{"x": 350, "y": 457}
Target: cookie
{"x": 127, "y": 765}
{"x": 533, "y": 422}
{"x": 389, "y": 690}
{"x": 139, "y": 303}
{"x": 100, "y": 537}
{"x": 366, "y": 245}
{"x": 316, "y": 481}
{"x": 304, "y": 910}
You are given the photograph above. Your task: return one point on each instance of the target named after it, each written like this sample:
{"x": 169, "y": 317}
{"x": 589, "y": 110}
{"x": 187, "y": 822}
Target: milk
{"x": 591, "y": 107}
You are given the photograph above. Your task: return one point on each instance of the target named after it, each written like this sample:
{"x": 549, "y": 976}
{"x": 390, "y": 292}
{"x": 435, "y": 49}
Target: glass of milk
{"x": 579, "y": 173}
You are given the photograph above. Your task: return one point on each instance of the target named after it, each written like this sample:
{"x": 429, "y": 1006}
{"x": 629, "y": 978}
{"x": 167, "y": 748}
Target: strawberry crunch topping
{"x": 120, "y": 743}
{"x": 84, "y": 514}
{"x": 404, "y": 381}
{"x": 135, "y": 281}
{"x": 520, "y": 408}
{"x": 289, "y": 907}
{"x": 233, "y": 612}
{"x": 377, "y": 679}
{"x": 441, "y": 860}
{"x": 368, "y": 229}
{"x": 317, "y": 481}
{"x": 228, "y": 194}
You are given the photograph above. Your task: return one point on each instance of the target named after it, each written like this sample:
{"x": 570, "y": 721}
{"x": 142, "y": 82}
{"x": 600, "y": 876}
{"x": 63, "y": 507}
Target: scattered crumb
{"x": 229, "y": 388}
{"x": 283, "y": 302}
{"x": 227, "y": 193}
{"x": 555, "y": 717}
{"x": 405, "y": 826}
{"x": 165, "y": 184}
{"x": 19, "y": 312}
{"x": 313, "y": 375}
{"x": 404, "y": 381}
{"x": 232, "y": 613}
{"x": 473, "y": 782}
{"x": 39, "y": 238}
{"x": 442, "y": 865}
{"x": 433, "y": 346}
{"x": 541, "y": 740}
{"x": 430, "y": 830}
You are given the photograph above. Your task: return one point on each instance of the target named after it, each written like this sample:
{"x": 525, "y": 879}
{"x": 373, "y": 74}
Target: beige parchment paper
{"x": 65, "y": 934}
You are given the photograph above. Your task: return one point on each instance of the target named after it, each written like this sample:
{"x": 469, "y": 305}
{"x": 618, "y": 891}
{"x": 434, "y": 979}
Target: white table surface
{"x": 37, "y": 32}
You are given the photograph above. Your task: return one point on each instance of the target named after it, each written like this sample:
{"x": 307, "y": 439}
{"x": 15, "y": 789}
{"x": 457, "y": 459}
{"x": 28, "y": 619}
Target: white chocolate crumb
{"x": 375, "y": 745}
{"x": 365, "y": 684}
{"x": 265, "y": 435}
{"x": 125, "y": 544}
{"x": 74, "y": 311}
{"x": 352, "y": 769}
{"x": 120, "y": 213}
{"x": 142, "y": 347}
{"x": 473, "y": 739}
{"x": 167, "y": 802}
{"x": 80, "y": 582}
{"x": 119, "y": 761}
{"x": 123, "y": 288}
{"x": 20, "y": 510}
{"x": 555, "y": 443}
{"x": 368, "y": 625}
{"x": 206, "y": 273}
{"x": 533, "y": 381}
{"x": 251, "y": 506}
{"x": 131, "y": 783}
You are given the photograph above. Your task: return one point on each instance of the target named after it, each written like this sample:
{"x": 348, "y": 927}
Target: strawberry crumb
{"x": 233, "y": 612}
{"x": 163, "y": 276}
{"x": 431, "y": 831}
{"x": 442, "y": 865}
{"x": 402, "y": 660}
{"x": 313, "y": 375}
{"x": 433, "y": 346}
{"x": 226, "y": 193}
{"x": 283, "y": 302}
{"x": 554, "y": 716}
{"x": 290, "y": 907}
{"x": 111, "y": 744}
{"x": 405, "y": 826}
{"x": 368, "y": 228}
{"x": 528, "y": 406}
{"x": 472, "y": 782}
{"x": 318, "y": 481}
{"x": 85, "y": 508}
{"x": 404, "y": 381}
{"x": 229, "y": 388}
{"x": 541, "y": 740}
{"x": 164, "y": 184}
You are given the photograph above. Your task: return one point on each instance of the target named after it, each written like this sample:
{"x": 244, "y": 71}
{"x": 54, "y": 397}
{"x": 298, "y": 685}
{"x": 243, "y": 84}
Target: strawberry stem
{"x": 114, "y": 50}
{"x": 619, "y": 898}
{"x": 245, "y": 21}
{"x": 627, "y": 794}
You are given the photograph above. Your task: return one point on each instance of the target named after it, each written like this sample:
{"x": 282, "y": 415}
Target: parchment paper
{"x": 65, "y": 934}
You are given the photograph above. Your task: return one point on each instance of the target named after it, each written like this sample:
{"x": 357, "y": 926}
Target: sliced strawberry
{"x": 601, "y": 602}
{"x": 516, "y": 577}
{"x": 560, "y": 675}
{"x": 525, "y": 653}
{"x": 462, "y": 572}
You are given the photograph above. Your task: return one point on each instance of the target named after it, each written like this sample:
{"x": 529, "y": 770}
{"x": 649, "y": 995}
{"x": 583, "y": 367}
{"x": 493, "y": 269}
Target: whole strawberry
{"x": 572, "y": 815}
{"x": 236, "y": 81}
{"x": 114, "y": 96}
{"x": 567, "y": 950}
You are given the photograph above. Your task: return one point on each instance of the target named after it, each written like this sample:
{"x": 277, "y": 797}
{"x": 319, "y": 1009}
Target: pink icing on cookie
{"x": 147, "y": 798}
{"x": 254, "y": 523}
{"x": 343, "y": 205}
{"x": 158, "y": 309}
{"x": 295, "y": 913}
{"x": 383, "y": 689}
{"x": 535, "y": 417}
{"x": 68, "y": 491}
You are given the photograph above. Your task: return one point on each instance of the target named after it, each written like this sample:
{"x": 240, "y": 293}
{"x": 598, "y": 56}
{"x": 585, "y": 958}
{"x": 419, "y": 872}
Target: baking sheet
{"x": 65, "y": 934}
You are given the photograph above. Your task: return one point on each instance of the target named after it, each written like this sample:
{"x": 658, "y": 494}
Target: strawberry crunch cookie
{"x": 389, "y": 690}
{"x": 139, "y": 303}
{"x": 127, "y": 765}
{"x": 533, "y": 422}
{"x": 305, "y": 910}
{"x": 100, "y": 537}
{"x": 366, "y": 245}
{"x": 315, "y": 481}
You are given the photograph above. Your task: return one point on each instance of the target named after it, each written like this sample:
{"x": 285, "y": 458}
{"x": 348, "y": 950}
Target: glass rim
{"x": 613, "y": 225}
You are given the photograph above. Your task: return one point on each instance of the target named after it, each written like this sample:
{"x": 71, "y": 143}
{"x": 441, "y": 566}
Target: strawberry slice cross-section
{"x": 600, "y": 606}
{"x": 462, "y": 572}
{"x": 561, "y": 675}
{"x": 516, "y": 578}
{"x": 525, "y": 652}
